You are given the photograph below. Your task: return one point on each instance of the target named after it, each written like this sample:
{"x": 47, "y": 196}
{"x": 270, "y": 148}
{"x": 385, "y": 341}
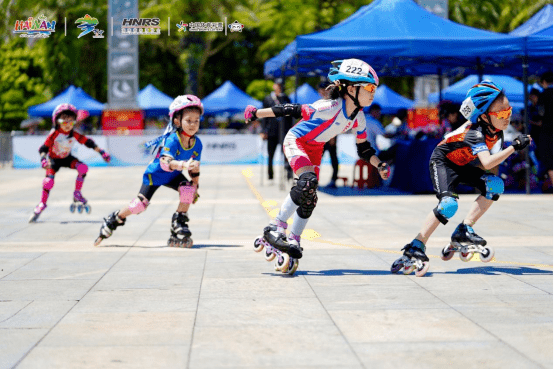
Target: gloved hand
{"x": 196, "y": 196}
{"x": 105, "y": 156}
{"x": 521, "y": 142}
{"x": 250, "y": 113}
{"x": 45, "y": 163}
{"x": 384, "y": 170}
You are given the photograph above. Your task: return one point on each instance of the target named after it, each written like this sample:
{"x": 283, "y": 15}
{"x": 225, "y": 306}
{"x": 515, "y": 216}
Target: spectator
{"x": 330, "y": 145}
{"x": 274, "y": 129}
{"x": 374, "y": 127}
{"x": 535, "y": 120}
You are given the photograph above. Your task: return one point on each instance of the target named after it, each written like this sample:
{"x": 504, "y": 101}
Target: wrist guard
{"x": 365, "y": 151}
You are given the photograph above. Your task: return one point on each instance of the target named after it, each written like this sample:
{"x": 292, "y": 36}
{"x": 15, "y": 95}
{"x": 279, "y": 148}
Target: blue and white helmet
{"x": 478, "y": 99}
{"x": 352, "y": 70}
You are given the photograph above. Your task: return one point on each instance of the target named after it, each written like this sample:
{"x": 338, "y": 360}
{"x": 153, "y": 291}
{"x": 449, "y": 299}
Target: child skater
{"x": 464, "y": 155}
{"x": 353, "y": 87}
{"x": 56, "y": 153}
{"x": 177, "y": 166}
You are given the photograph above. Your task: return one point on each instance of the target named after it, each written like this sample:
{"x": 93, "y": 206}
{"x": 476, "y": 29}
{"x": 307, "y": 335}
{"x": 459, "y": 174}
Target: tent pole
{"x": 525, "y": 77}
{"x": 439, "y": 72}
{"x": 479, "y": 69}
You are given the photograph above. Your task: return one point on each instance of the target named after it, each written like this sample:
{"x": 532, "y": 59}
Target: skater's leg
{"x": 47, "y": 185}
{"x": 429, "y": 226}
{"x": 478, "y": 208}
{"x": 82, "y": 170}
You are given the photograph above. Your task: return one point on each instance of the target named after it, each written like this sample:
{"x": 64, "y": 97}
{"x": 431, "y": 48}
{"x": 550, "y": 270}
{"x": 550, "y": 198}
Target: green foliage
{"x": 259, "y": 88}
{"x": 21, "y": 84}
{"x": 494, "y": 15}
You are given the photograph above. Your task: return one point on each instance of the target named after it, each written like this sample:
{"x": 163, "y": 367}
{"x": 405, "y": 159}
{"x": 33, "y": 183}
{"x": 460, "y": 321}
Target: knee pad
{"x": 304, "y": 194}
{"x": 138, "y": 205}
{"x": 82, "y": 169}
{"x": 186, "y": 192}
{"x": 48, "y": 183}
{"x": 446, "y": 209}
{"x": 494, "y": 186}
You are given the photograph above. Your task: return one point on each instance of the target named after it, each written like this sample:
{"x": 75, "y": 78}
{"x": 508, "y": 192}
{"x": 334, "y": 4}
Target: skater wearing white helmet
{"x": 353, "y": 84}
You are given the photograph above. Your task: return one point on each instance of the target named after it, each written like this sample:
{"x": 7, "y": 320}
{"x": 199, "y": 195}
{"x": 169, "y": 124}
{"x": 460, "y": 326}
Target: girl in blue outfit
{"x": 177, "y": 166}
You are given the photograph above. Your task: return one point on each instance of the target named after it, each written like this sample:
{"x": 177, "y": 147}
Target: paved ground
{"x": 133, "y": 302}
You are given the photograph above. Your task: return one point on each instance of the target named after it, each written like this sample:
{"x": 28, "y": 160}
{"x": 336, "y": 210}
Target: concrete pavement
{"x": 133, "y": 302}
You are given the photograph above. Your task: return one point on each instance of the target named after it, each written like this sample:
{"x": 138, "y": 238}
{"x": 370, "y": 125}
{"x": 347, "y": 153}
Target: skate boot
{"x": 36, "y": 213}
{"x": 465, "y": 241}
{"x": 110, "y": 224}
{"x": 79, "y": 203}
{"x": 414, "y": 258}
{"x": 274, "y": 241}
{"x": 180, "y": 233}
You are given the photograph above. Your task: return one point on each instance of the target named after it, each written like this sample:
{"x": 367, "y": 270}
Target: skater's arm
{"x": 367, "y": 153}
{"x": 490, "y": 161}
{"x": 281, "y": 110}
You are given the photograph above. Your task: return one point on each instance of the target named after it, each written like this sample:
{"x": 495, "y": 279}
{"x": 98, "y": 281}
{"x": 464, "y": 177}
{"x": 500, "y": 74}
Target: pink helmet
{"x": 184, "y": 101}
{"x": 61, "y": 108}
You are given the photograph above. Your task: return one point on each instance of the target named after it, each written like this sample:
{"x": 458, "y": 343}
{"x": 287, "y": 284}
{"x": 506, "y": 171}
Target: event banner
{"x": 130, "y": 150}
{"x": 25, "y": 151}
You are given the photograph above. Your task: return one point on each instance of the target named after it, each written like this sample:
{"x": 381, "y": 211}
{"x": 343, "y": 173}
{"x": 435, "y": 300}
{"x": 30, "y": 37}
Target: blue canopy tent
{"x": 153, "y": 102}
{"x": 305, "y": 94}
{"x": 72, "y": 95}
{"x": 390, "y": 101}
{"x": 537, "y": 23}
{"x": 457, "y": 92}
{"x": 228, "y": 99}
{"x": 398, "y": 37}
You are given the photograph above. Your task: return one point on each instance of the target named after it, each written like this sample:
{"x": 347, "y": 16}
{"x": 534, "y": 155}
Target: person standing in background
{"x": 274, "y": 129}
{"x": 544, "y": 144}
{"x": 330, "y": 145}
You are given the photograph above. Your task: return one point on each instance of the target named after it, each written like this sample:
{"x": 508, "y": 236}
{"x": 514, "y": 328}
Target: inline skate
{"x": 79, "y": 203}
{"x": 465, "y": 241}
{"x": 36, "y": 213}
{"x": 180, "y": 233}
{"x": 414, "y": 258}
{"x": 110, "y": 224}
{"x": 276, "y": 245}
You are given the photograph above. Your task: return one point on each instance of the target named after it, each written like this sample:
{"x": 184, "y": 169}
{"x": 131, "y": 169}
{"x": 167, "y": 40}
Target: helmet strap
{"x": 356, "y": 101}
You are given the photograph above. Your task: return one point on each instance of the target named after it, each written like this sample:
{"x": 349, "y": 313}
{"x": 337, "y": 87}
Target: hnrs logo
{"x": 140, "y": 26}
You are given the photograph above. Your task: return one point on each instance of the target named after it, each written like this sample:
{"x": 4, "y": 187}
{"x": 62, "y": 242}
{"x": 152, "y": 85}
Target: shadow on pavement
{"x": 500, "y": 270}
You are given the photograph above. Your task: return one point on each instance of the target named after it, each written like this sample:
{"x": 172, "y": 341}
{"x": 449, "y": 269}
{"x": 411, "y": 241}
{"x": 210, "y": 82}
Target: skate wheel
{"x": 258, "y": 245}
{"x": 269, "y": 255}
{"x": 447, "y": 253}
{"x": 466, "y": 256}
{"x": 486, "y": 255}
{"x": 80, "y": 208}
{"x": 293, "y": 267}
{"x": 188, "y": 243}
{"x": 72, "y": 207}
{"x": 396, "y": 266}
{"x": 420, "y": 272}
{"x": 282, "y": 264}
{"x": 87, "y": 208}
{"x": 408, "y": 269}
{"x": 33, "y": 218}
{"x": 98, "y": 240}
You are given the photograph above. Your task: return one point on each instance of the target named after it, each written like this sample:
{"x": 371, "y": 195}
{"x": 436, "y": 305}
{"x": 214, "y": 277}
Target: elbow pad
{"x": 43, "y": 150}
{"x": 282, "y": 110}
{"x": 90, "y": 144}
{"x": 365, "y": 151}
{"x": 165, "y": 165}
